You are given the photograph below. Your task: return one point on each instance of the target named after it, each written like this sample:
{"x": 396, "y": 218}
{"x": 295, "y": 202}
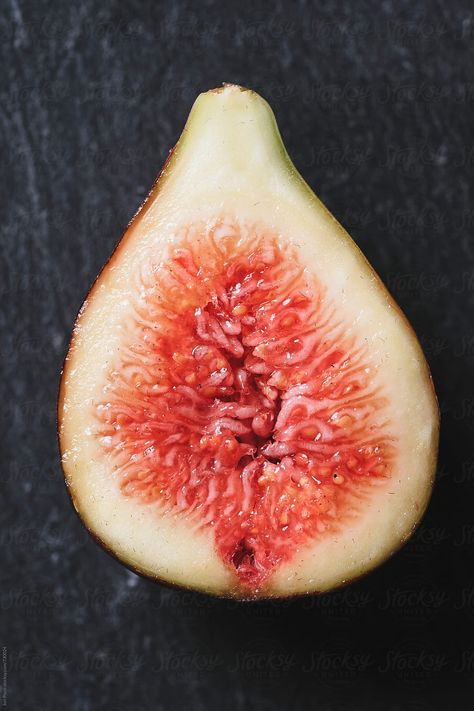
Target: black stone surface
{"x": 375, "y": 103}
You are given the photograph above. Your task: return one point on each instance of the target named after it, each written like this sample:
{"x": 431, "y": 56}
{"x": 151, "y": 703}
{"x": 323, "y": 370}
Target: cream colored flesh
{"x": 230, "y": 162}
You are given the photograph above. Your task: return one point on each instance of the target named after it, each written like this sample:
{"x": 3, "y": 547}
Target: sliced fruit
{"x": 244, "y": 410}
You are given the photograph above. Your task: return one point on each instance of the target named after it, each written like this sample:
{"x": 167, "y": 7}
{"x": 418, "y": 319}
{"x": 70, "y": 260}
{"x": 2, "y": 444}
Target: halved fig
{"x": 244, "y": 410}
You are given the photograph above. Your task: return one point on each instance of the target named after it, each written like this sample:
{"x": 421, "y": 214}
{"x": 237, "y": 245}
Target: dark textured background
{"x": 375, "y": 103}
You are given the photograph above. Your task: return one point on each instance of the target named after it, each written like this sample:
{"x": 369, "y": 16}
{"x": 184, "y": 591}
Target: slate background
{"x": 375, "y": 103}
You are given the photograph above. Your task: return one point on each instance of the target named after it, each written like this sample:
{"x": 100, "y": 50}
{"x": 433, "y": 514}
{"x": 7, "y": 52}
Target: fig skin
{"x": 231, "y": 593}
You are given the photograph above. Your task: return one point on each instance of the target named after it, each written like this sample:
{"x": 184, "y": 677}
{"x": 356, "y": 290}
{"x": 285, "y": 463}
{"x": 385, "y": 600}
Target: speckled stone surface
{"x": 375, "y": 103}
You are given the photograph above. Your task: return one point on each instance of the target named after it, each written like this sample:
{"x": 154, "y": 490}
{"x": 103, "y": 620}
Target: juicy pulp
{"x": 239, "y": 400}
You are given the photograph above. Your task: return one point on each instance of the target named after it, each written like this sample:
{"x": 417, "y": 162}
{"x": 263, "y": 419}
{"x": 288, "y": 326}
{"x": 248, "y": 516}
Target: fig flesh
{"x": 244, "y": 410}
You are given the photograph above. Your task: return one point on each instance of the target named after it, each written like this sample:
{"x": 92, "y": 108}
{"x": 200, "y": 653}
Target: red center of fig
{"x": 240, "y": 402}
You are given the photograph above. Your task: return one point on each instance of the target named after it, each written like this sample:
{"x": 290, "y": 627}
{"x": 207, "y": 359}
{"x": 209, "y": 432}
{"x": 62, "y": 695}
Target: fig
{"x": 244, "y": 410}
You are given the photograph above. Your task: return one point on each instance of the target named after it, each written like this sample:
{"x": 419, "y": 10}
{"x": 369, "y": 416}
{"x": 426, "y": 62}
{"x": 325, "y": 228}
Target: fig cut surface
{"x": 244, "y": 410}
